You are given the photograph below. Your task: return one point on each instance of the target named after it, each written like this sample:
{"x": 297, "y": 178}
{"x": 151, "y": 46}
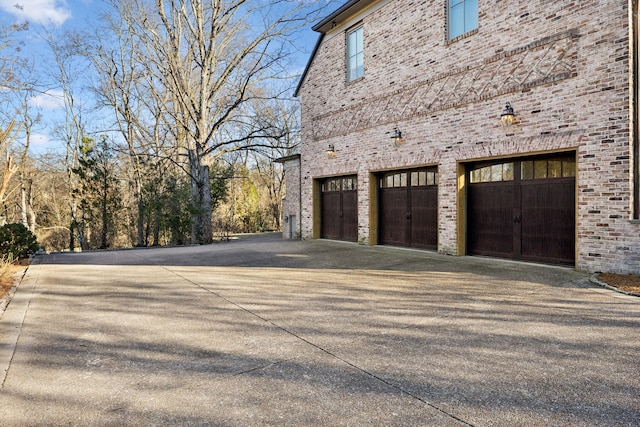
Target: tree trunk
{"x": 30, "y": 209}
{"x": 104, "y": 235}
{"x": 72, "y": 236}
{"x": 156, "y": 233}
{"x": 141, "y": 213}
{"x": 23, "y": 204}
{"x": 26, "y": 205}
{"x": 201, "y": 228}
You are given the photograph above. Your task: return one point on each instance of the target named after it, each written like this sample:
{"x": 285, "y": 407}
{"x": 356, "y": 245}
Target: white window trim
{"x": 448, "y": 22}
{"x": 348, "y": 58}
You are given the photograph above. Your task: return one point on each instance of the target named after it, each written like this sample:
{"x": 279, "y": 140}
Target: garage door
{"x": 339, "y": 208}
{"x": 408, "y": 208}
{"x": 523, "y": 209}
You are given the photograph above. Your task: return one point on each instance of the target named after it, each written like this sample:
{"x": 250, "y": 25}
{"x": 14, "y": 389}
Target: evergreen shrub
{"x": 16, "y": 240}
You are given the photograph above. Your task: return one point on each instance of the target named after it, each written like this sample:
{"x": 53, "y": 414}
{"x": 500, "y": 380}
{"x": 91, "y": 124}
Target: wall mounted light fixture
{"x": 331, "y": 151}
{"x": 508, "y": 116}
{"x": 397, "y": 136}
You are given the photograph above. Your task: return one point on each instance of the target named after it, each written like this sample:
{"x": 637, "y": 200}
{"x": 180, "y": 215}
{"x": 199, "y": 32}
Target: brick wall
{"x": 291, "y": 202}
{"x": 564, "y": 67}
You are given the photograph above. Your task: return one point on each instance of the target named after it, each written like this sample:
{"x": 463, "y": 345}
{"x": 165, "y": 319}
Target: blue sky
{"x": 49, "y": 12}
{"x": 60, "y": 15}
{"x": 46, "y": 15}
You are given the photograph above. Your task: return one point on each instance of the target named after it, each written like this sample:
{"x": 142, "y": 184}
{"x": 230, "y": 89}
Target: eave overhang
{"x": 345, "y": 11}
{"x": 287, "y": 158}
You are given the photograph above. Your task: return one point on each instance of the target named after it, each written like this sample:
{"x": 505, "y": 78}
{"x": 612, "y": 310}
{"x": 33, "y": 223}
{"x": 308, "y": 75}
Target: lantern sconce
{"x": 331, "y": 151}
{"x": 397, "y": 137}
{"x": 508, "y": 116}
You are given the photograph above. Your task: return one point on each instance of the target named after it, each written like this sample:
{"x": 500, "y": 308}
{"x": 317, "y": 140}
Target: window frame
{"x": 358, "y": 54}
{"x": 461, "y": 4}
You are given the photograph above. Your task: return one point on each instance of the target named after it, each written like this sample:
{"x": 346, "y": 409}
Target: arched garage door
{"x": 408, "y": 208}
{"x": 339, "y": 208}
{"x": 523, "y": 209}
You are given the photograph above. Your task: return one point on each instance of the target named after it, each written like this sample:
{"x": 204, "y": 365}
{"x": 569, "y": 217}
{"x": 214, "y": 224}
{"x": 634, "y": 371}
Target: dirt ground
{"x": 8, "y": 279}
{"x": 625, "y": 282}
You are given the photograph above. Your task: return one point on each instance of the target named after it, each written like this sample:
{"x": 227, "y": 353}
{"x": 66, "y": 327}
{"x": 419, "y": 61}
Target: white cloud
{"x": 40, "y": 143}
{"x": 39, "y": 139}
{"x": 50, "y": 100}
{"x": 45, "y": 12}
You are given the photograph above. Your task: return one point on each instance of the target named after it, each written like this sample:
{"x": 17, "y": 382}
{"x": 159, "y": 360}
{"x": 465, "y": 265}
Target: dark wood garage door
{"x": 339, "y": 205}
{"x": 523, "y": 209}
{"x": 408, "y": 208}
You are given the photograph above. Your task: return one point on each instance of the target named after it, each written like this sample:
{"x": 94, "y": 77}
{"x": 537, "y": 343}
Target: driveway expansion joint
{"x": 316, "y": 346}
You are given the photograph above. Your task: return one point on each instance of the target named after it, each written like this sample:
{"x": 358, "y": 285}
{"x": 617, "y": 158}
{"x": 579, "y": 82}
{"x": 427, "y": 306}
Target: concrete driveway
{"x": 261, "y": 331}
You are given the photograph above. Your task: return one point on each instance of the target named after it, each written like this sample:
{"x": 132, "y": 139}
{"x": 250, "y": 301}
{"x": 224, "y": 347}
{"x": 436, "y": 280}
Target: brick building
{"x": 408, "y": 137}
{"x": 291, "y": 203}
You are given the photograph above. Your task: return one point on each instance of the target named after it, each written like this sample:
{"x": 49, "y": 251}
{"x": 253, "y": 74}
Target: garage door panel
{"x": 424, "y": 217}
{"x": 331, "y": 215}
{"x": 548, "y": 220}
{"x": 490, "y": 227}
{"x": 408, "y": 208}
{"x": 523, "y": 209}
{"x": 339, "y": 209}
{"x": 350, "y": 216}
{"x": 393, "y": 216}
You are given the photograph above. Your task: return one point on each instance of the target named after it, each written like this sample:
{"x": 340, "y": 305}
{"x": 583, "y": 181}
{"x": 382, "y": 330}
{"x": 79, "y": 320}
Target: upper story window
{"x": 463, "y": 17}
{"x": 355, "y": 54}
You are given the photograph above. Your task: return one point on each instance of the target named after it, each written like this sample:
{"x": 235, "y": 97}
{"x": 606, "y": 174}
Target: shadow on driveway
{"x": 261, "y": 331}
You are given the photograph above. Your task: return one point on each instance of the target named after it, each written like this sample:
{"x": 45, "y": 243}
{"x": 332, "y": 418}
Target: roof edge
{"x": 306, "y": 68}
{"x": 287, "y": 158}
{"x": 329, "y": 22}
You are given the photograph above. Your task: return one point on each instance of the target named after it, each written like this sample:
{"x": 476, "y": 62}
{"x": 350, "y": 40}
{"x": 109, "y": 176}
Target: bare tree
{"x": 49, "y": 186}
{"x": 68, "y": 52}
{"x": 10, "y": 61}
{"x": 29, "y": 120}
{"x": 213, "y": 57}
{"x": 21, "y": 108}
{"x": 119, "y": 77}
{"x": 11, "y": 67}
{"x": 7, "y": 136}
{"x": 283, "y": 140}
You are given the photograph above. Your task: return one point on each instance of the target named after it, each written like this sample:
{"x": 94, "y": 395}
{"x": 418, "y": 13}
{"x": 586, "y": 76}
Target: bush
{"x": 16, "y": 240}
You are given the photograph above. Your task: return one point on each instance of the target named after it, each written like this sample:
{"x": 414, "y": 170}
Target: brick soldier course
{"x": 566, "y": 70}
